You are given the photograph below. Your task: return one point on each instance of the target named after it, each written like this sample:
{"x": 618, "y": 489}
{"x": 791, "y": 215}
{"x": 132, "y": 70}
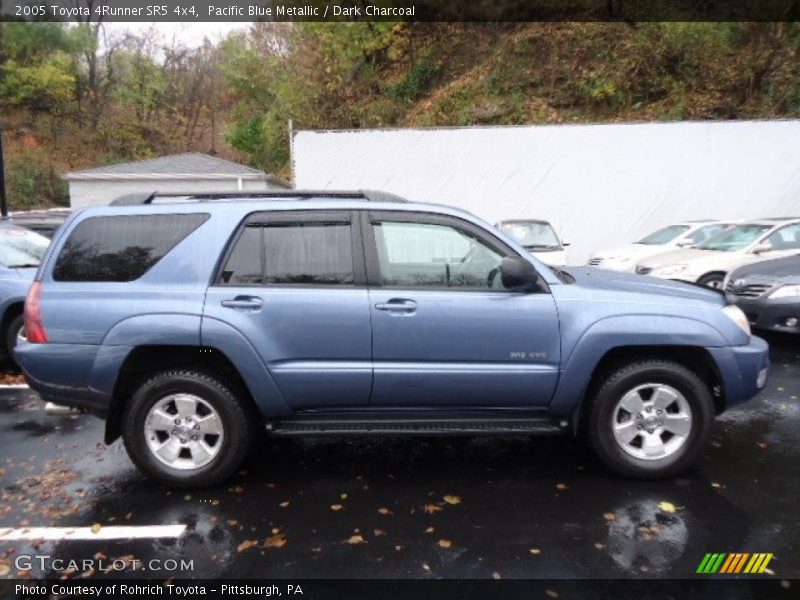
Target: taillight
{"x": 34, "y": 330}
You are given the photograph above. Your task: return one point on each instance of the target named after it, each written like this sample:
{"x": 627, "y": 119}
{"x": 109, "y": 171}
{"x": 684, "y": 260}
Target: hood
{"x": 786, "y": 270}
{"x": 601, "y": 279}
{"x": 631, "y": 250}
{"x": 684, "y": 256}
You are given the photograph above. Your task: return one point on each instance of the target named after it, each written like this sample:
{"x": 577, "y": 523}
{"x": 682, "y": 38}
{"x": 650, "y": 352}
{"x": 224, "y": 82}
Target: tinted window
{"x": 21, "y": 248}
{"x": 737, "y": 237}
{"x": 121, "y": 248}
{"x": 432, "y": 255}
{"x": 786, "y": 238}
{"x": 532, "y": 235}
{"x": 704, "y": 233}
{"x": 663, "y": 236}
{"x": 316, "y": 253}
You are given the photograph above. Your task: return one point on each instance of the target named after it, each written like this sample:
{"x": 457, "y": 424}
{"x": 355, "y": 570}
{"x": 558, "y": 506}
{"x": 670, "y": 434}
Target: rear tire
{"x": 14, "y": 327}
{"x": 650, "y": 419}
{"x": 186, "y": 429}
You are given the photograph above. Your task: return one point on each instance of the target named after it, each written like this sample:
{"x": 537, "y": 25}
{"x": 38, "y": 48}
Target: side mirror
{"x": 516, "y": 272}
{"x": 565, "y": 244}
{"x": 685, "y": 244}
{"x": 763, "y": 247}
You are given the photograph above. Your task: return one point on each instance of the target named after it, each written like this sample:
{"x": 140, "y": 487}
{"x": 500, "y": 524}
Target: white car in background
{"x": 709, "y": 262}
{"x": 679, "y": 235}
{"x": 537, "y": 237}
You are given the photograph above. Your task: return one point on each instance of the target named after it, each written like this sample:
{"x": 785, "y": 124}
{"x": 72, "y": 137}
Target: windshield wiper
{"x": 25, "y": 266}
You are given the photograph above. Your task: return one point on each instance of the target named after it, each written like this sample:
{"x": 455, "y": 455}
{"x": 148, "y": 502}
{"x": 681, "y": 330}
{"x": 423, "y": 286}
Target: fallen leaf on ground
{"x": 343, "y": 496}
{"x": 609, "y": 516}
{"x": 356, "y": 539}
{"x": 385, "y": 511}
{"x": 429, "y": 530}
{"x": 96, "y": 527}
{"x": 534, "y": 551}
{"x": 276, "y": 541}
{"x": 378, "y": 532}
{"x": 551, "y": 593}
{"x": 496, "y": 575}
{"x": 336, "y": 507}
{"x": 284, "y": 504}
{"x": 668, "y": 507}
{"x": 239, "y": 489}
{"x": 452, "y": 499}
{"x": 599, "y": 546}
{"x": 432, "y": 508}
{"x": 246, "y": 545}
{"x": 445, "y": 543}
{"x": 4, "y": 570}
{"x": 562, "y": 486}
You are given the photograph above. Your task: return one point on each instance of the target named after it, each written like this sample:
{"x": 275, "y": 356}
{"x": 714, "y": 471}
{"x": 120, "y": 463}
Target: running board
{"x": 406, "y": 426}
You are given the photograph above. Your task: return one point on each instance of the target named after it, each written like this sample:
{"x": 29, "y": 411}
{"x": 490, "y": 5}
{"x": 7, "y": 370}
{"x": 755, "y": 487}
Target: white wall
{"x": 94, "y": 192}
{"x": 598, "y": 184}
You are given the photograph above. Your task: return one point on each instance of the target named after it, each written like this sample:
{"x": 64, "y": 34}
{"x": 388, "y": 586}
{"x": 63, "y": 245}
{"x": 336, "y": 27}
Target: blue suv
{"x": 187, "y": 323}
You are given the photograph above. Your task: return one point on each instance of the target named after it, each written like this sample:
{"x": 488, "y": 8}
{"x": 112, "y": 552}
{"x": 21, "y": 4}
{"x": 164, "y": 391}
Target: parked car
{"x": 743, "y": 244}
{"x": 768, "y": 292}
{"x": 188, "y": 325}
{"x": 680, "y": 235}
{"x": 45, "y": 222}
{"x": 537, "y": 237}
{"x": 21, "y": 251}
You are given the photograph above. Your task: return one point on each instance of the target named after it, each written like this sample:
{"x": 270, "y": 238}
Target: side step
{"x": 407, "y": 426}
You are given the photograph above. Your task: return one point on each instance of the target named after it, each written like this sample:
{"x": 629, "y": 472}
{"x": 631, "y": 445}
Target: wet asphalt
{"x": 512, "y": 507}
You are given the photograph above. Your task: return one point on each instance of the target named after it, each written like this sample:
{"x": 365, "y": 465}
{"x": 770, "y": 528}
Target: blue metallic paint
{"x": 312, "y": 348}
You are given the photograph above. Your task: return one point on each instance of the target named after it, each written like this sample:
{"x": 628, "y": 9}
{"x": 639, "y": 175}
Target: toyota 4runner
{"x": 188, "y": 323}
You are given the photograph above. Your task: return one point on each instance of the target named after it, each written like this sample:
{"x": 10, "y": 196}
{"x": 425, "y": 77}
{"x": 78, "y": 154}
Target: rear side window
{"x": 305, "y": 253}
{"x": 121, "y": 248}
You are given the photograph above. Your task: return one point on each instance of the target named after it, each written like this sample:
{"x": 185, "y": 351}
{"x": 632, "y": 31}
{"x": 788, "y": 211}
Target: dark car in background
{"x": 21, "y": 251}
{"x": 768, "y": 292}
{"x": 44, "y": 222}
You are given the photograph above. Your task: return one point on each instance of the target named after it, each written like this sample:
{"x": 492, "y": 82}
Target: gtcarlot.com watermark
{"x": 46, "y": 563}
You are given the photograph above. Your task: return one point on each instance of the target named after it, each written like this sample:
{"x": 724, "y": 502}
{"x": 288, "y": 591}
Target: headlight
{"x": 735, "y": 314}
{"x": 669, "y": 270}
{"x": 787, "y": 291}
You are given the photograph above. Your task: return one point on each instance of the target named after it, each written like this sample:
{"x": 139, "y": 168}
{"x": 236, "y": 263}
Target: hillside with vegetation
{"x": 73, "y": 97}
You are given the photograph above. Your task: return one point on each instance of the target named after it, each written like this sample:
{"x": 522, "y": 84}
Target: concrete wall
{"x": 600, "y": 185}
{"x": 100, "y": 192}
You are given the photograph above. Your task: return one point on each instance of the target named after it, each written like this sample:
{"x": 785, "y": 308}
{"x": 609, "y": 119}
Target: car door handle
{"x": 245, "y": 302}
{"x": 397, "y": 305}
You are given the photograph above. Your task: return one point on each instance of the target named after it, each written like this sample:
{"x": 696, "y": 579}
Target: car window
{"x": 121, "y": 248}
{"x": 285, "y": 253}
{"x": 664, "y": 236}
{"x": 737, "y": 237}
{"x": 785, "y": 238}
{"x": 532, "y": 235}
{"x": 435, "y": 255}
{"x": 21, "y": 248}
{"x": 703, "y": 233}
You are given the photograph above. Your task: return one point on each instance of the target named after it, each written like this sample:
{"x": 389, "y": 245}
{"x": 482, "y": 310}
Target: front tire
{"x": 186, "y": 429}
{"x": 712, "y": 280}
{"x": 650, "y": 419}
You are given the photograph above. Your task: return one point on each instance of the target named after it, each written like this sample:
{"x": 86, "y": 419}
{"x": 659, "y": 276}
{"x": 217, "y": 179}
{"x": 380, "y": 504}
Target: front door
{"x": 293, "y": 284}
{"x": 446, "y": 333}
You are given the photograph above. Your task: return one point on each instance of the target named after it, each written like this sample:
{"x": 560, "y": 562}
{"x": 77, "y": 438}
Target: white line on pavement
{"x": 126, "y": 532}
{"x": 14, "y": 386}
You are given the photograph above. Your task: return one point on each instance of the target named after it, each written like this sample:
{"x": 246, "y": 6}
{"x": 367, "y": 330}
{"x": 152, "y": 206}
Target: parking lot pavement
{"x": 479, "y": 507}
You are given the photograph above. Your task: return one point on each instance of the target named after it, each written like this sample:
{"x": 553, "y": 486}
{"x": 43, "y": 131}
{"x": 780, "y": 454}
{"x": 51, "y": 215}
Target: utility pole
{"x": 3, "y": 203}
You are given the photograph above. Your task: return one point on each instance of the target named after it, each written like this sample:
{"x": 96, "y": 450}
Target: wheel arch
{"x": 143, "y": 361}
{"x": 695, "y": 358}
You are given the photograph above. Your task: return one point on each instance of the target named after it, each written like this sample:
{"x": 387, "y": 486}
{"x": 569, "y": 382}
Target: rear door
{"x": 446, "y": 332}
{"x": 294, "y": 284}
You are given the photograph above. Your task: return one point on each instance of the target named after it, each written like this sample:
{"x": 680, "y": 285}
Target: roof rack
{"x": 141, "y": 198}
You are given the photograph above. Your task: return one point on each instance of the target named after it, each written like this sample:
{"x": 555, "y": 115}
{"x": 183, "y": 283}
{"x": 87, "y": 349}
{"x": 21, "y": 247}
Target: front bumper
{"x": 769, "y": 314}
{"x": 742, "y": 369}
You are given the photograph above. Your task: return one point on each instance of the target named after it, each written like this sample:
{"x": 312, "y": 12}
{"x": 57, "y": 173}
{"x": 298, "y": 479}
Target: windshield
{"x": 21, "y": 248}
{"x": 735, "y": 238}
{"x": 663, "y": 236}
{"x": 532, "y": 234}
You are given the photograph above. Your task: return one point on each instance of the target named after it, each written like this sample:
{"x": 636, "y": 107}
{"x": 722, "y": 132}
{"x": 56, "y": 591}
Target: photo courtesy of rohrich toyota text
{"x": 399, "y": 299}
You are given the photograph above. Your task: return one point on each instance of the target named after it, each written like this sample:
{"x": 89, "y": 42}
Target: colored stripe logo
{"x": 735, "y": 562}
